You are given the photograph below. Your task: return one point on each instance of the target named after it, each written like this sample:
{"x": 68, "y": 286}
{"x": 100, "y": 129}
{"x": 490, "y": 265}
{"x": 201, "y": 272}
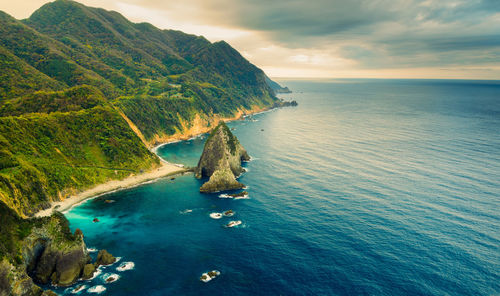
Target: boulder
{"x": 60, "y": 266}
{"x": 88, "y": 271}
{"x": 104, "y": 258}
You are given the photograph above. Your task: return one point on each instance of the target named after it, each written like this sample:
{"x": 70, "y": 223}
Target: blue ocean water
{"x": 368, "y": 187}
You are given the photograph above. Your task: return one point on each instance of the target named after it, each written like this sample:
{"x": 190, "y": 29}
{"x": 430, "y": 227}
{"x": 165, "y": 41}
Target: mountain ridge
{"x": 67, "y": 62}
{"x": 83, "y": 90}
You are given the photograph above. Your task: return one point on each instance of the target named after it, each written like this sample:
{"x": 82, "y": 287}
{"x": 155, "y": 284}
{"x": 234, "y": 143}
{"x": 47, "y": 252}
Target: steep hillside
{"x": 45, "y": 157}
{"x": 83, "y": 89}
{"x": 167, "y": 68}
{"x": 83, "y": 94}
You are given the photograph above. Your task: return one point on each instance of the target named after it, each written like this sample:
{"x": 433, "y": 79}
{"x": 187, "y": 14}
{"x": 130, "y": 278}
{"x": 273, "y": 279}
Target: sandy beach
{"x": 166, "y": 169}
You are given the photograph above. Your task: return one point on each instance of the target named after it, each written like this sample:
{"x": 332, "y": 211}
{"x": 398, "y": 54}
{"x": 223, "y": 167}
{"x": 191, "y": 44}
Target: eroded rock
{"x": 105, "y": 258}
{"x": 221, "y": 161}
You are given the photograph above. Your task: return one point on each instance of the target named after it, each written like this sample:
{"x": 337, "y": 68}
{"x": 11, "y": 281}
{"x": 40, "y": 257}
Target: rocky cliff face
{"x": 221, "y": 161}
{"x": 41, "y": 251}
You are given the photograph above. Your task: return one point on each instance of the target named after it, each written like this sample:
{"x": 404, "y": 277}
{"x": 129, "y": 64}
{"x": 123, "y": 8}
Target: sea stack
{"x": 221, "y": 161}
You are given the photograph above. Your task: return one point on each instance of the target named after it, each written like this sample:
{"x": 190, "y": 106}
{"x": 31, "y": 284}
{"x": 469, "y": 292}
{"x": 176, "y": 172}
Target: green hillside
{"x": 84, "y": 92}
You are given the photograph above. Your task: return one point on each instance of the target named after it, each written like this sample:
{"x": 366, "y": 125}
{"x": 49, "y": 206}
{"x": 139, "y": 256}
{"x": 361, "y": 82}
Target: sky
{"x": 332, "y": 38}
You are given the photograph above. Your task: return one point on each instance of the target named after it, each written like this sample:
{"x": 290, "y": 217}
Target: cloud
{"x": 339, "y": 37}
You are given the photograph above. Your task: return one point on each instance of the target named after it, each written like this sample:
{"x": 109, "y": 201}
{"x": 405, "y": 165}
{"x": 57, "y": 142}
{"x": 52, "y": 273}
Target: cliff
{"x": 39, "y": 251}
{"x": 221, "y": 161}
{"x": 42, "y": 251}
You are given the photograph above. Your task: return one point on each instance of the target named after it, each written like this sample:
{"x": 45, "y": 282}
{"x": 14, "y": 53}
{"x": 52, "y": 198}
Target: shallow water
{"x": 379, "y": 187}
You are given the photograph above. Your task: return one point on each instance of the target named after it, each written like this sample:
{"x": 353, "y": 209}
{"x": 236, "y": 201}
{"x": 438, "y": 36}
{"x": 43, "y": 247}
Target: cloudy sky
{"x": 333, "y": 38}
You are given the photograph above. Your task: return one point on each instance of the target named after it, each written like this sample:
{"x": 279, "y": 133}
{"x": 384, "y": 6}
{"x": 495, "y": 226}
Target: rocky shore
{"x": 43, "y": 251}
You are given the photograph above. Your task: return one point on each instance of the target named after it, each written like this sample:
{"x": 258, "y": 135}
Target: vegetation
{"x": 83, "y": 92}
{"x": 15, "y": 229}
{"x": 76, "y": 82}
{"x": 60, "y": 151}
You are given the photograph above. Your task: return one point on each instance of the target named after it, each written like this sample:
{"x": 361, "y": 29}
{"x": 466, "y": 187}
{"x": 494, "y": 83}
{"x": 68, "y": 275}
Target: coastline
{"x": 201, "y": 131}
{"x": 166, "y": 169}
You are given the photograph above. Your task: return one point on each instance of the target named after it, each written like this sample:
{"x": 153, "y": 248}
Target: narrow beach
{"x": 166, "y": 169}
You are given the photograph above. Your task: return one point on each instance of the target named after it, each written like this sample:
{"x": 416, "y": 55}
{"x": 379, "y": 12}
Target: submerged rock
{"x": 105, "y": 258}
{"x": 229, "y": 213}
{"x": 221, "y": 161}
{"x": 208, "y": 276}
{"x": 239, "y": 194}
{"x": 233, "y": 223}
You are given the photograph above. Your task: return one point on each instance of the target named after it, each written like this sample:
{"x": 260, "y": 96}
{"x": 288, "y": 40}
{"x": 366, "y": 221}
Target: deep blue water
{"x": 368, "y": 187}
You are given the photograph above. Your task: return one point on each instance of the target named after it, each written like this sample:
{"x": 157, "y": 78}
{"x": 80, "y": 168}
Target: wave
{"x": 225, "y": 195}
{"x": 77, "y": 290}
{"x": 97, "y": 272}
{"x": 97, "y": 289}
{"x": 110, "y": 278}
{"x": 186, "y": 211}
{"x": 126, "y": 266}
{"x": 208, "y": 276}
{"x": 215, "y": 215}
{"x": 243, "y": 197}
{"x": 233, "y": 223}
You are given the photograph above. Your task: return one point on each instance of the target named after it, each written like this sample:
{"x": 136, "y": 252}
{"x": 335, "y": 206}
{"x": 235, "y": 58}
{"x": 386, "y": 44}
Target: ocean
{"x": 368, "y": 187}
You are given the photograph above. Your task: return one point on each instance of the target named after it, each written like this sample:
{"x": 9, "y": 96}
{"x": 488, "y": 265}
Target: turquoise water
{"x": 368, "y": 187}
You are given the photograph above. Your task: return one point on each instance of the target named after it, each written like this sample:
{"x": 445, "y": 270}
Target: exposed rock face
{"x": 88, "y": 271}
{"x": 46, "y": 253}
{"x": 221, "y": 161}
{"x": 61, "y": 263}
{"x": 14, "y": 281}
{"x": 104, "y": 258}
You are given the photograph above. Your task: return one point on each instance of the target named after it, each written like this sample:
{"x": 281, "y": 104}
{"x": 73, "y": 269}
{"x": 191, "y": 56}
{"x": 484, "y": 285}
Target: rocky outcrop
{"x": 88, "y": 271}
{"x": 104, "y": 258}
{"x": 60, "y": 266}
{"x": 53, "y": 255}
{"x": 283, "y": 103}
{"x": 221, "y": 161}
{"x": 41, "y": 251}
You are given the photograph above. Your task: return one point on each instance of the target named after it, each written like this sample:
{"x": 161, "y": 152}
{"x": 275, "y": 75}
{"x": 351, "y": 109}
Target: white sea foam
{"x": 117, "y": 259}
{"x": 215, "y": 215}
{"x": 110, "y": 278}
{"x": 205, "y": 277}
{"x": 77, "y": 290}
{"x": 97, "y": 272}
{"x": 91, "y": 250}
{"x": 243, "y": 197}
{"x": 97, "y": 289}
{"x": 186, "y": 211}
{"x": 126, "y": 266}
{"x": 225, "y": 195}
{"x": 233, "y": 223}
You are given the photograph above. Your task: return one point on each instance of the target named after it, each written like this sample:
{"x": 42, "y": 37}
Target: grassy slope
{"x": 59, "y": 151}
